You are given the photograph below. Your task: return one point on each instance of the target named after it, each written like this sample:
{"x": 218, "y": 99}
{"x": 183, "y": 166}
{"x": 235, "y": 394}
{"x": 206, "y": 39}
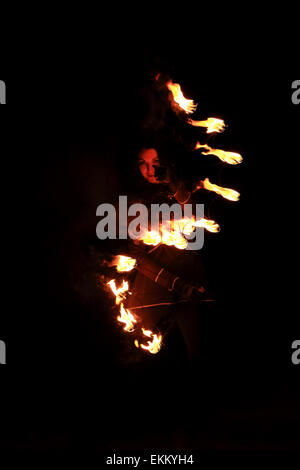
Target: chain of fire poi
{"x": 173, "y": 233}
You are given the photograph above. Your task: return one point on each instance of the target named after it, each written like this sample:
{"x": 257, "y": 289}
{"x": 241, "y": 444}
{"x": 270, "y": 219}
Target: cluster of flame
{"x": 189, "y": 107}
{"x": 152, "y": 346}
{"x": 173, "y": 232}
{"x": 126, "y": 317}
{"x": 212, "y": 125}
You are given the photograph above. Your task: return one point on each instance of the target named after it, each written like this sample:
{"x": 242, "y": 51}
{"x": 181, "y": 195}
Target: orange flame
{"x": 119, "y": 292}
{"x": 186, "y": 105}
{"x": 151, "y": 238}
{"x": 174, "y": 239}
{"x": 153, "y": 346}
{"x": 229, "y": 194}
{"x": 212, "y": 124}
{"x": 209, "y": 225}
{"x": 127, "y": 318}
{"x": 166, "y": 237}
{"x": 125, "y": 263}
{"x": 186, "y": 225}
{"x": 228, "y": 157}
{"x": 172, "y": 234}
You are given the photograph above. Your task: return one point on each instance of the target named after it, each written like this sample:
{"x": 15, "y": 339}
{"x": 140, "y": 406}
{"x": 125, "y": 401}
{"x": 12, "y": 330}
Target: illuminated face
{"x": 148, "y": 160}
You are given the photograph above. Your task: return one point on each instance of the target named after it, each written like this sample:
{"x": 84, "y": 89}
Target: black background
{"x": 66, "y": 384}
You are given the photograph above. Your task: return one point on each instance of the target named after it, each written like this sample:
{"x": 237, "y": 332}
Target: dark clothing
{"x": 157, "y": 307}
{"x": 184, "y": 264}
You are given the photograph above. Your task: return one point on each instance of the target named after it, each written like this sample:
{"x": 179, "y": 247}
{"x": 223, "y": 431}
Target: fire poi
{"x": 143, "y": 257}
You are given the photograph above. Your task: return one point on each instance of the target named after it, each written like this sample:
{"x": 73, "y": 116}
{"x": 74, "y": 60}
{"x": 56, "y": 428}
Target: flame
{"x": 187, "y": 225}
{"x": 228, "y": 157}
{"x": 125, "y": 263}
{"x": 173, "y": 238}
{"x": 153, "y": 346}
{"x": 151, "y": 237}
{"x": 172, "y": 233}
{"x": 166, "y": 237}
{"x": 119, "y": 292}
{"x": 212, "y": 124}
{"x": 229, "y": 194}
{"x": 209, "y": 225}
{"x": 127, "y": 318}
{"x": 186, "y": 105}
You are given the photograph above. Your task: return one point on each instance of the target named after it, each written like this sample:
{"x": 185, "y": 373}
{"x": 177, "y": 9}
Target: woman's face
{"x": 148, "y": 160}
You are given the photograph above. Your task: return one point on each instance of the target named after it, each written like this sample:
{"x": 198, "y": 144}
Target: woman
{"x": 170, "y": 286}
